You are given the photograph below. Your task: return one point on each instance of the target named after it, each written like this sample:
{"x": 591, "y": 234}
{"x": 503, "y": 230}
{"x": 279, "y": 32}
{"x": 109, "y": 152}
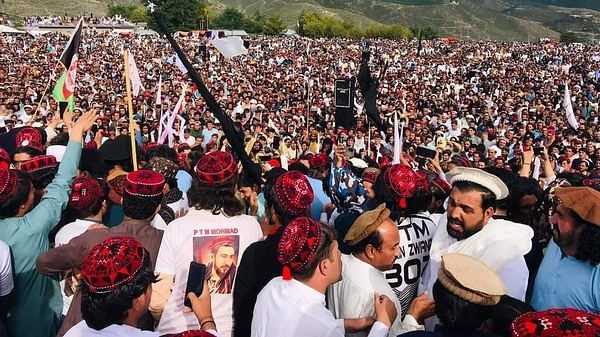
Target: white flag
{"x": 397, "y": 140}
{"x": 134, "y": 75}
{"x": 158, "y": 91}
{"x": 177, "y": 61}
{"x": 169, "y": 127}
{"x": 230, "y": 46}
{"x": 569, "y": 109}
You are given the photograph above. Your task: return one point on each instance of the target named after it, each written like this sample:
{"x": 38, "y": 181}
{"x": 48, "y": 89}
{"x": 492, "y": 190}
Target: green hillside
{"x": 475, "y": 19}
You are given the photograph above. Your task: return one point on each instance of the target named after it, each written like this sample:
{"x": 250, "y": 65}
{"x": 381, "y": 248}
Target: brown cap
{"x": 366, "y": 224}
{"x": 585, "y": 201}
{"x": 470, "y": 279}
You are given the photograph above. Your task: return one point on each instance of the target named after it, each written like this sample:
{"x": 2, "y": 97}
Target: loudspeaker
{"x": 344, "y": 103}
{"x": 344, "y": 93}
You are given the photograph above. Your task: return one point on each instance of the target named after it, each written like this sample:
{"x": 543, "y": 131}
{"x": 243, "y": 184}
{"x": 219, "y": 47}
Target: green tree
{"x": 177, "y": 14}
{"x": 255, "y": 24}
{"x": 312, "y": 24}
{"x": 274, "y": 24}
{"x": 122, "y": 10}
{"x": 569, "y": 37}
{"x": 139, "y": 14}
{"x": 231, "y": 18}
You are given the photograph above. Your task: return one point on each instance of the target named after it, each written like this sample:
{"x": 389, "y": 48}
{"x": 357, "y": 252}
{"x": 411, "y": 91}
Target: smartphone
{"x": 276, "y": 142}
{"x": 195, "y": 281}
{"x": 264, "y": 158}
{"x": 538, "y": 150}
{"x": 426, "y": 152}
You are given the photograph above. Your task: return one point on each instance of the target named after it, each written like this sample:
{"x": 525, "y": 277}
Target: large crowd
{"x": 479, "y": 217}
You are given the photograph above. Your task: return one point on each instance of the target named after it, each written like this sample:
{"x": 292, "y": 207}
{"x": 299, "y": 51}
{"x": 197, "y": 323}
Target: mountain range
{"x": 504, "y": 20}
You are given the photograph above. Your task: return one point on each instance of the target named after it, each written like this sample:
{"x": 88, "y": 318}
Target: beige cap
{"x": 366, "y": 224}
{"x": 470, "y": 279}
{"x": 585, "y": 201}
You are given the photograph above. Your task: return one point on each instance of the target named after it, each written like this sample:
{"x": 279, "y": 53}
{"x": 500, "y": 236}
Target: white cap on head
{"x": 479, "y": 177}
{"x": 58, "y": 151}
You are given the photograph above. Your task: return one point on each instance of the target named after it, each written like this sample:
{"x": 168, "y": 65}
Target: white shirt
{"x": 64, "y": 235}
{"x": 191, "y": 238}
{"x": 500, "y": 244}
{"x": 293, "y": 309}
{"x": 416, "y": 233}
{"x": 352, "y": 297}
{"x": 6, "y": 276}
{"x": 179, "y": 207}
{"x": 81, "y": 329}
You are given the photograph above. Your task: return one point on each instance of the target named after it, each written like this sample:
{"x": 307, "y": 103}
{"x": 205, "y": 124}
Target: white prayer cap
{"x": 358, "y": 163}
{"x": 479, "y": 177}
{"x": 57, "y": 151}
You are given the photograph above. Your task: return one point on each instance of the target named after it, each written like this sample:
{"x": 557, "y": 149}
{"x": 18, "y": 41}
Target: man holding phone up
{"x": 214, "y": 233}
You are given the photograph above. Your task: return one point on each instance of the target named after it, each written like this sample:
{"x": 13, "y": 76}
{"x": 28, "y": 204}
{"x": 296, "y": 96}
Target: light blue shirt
{"x": 566, "y": 282}
{"x": 320, "y": 198}
{"x": 37, "y": 304}
{"x": 184, "y": 181}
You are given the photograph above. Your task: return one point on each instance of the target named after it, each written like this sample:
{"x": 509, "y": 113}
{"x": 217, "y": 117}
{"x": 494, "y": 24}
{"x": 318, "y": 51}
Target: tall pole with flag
{"x": 65, "y": 86}
{"x": 397, "y": 140}
{"x": 568, "y": 106}
{"x": 126, "y": 60}
{"x": 234, "y": 137}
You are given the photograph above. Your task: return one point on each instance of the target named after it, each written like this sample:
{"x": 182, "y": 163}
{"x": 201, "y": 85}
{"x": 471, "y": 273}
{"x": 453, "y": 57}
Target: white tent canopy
{"x": 9, "y": 30}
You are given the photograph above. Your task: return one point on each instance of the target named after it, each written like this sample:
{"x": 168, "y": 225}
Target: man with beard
{"x": 221, "y": 266}
{"x": 569, "y": 274}
{"x": 469, "y": 228}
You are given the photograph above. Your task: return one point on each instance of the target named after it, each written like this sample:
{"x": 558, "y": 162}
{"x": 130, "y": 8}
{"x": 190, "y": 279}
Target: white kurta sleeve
{"x": 515, "y": 277}
{"x": 378, "y": 330}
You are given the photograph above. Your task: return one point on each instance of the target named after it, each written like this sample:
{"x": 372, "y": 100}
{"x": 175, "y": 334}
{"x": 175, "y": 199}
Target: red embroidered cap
{"x": 39, "y": 163}
{"x": 402, "y": 182}
{"x": 112, "y": 263}
{"x": 318, "y": 160}
{"x": 8, "y": 183}
{"x": 299, "y": 242}
{"x": 216, "y": 168}
{"x": 85, "y": 193}
{"x": 4, "y": 159}
{"x": 90, "y": 145}
{"x": 144, "y": 183}
{"x": 30, "y": 137}
{"x": 147, "y": 147}
{"x": 556, "y": 323}
{"x": 442, "y": 185}
{"x": 370, "y": 174}
{"x": 293, "y": 192}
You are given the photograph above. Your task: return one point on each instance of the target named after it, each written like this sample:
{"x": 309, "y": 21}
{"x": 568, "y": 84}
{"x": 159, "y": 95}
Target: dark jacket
{"x": 69, "y": 256}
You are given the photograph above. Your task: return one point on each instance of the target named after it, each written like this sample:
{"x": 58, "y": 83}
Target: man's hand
{"x": 385, "y": 310}
{"x": 83, "y": 124}
{"x": 421, "y": 308}
{"x": 358, "y": 324}
{"x": 327, "y": 208}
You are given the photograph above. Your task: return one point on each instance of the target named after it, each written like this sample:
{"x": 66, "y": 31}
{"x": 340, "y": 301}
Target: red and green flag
{"x": 196, "y": 92}
{"x": 65, "y": 86}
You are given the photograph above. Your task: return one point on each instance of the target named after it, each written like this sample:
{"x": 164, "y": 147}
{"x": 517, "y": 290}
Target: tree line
{"x": 188, "y": 15}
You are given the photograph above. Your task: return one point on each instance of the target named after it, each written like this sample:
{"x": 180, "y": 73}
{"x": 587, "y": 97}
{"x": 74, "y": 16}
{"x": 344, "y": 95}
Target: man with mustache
{"x": 569, "y": 274}
{"x": 470, "y": 228}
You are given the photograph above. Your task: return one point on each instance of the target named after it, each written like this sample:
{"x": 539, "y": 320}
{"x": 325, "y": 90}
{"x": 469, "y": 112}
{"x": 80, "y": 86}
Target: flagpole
{"x": 130, "y": 107}
{"x": 43, "y": 96}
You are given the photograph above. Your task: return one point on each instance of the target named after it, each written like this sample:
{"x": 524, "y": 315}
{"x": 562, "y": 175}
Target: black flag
{"x": 234, "y": 137}
{"x": 368, "y": 89}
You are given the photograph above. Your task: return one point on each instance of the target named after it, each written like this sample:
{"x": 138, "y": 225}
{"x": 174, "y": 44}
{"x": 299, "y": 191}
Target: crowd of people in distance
{"x": 457, "y": 196}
